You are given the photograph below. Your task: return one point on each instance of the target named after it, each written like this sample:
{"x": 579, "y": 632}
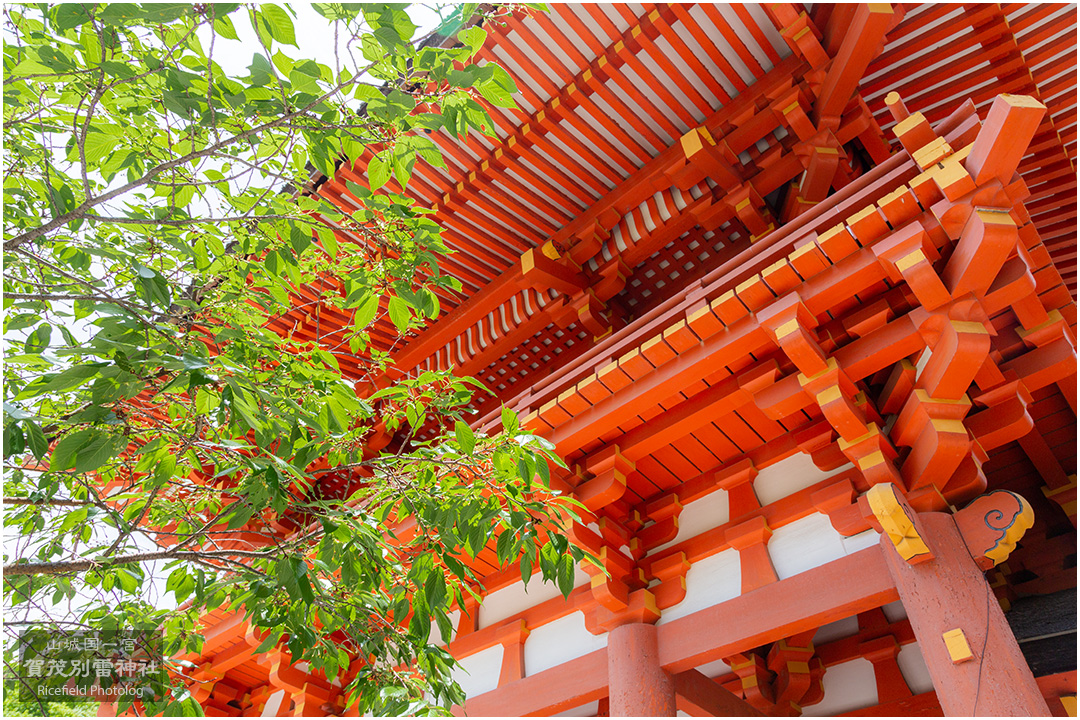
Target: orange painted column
{"x": 972, "y": 654}
{"x": 637, "y": 685}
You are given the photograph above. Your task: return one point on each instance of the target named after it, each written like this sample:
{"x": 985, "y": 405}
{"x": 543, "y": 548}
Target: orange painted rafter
{"x": 713, "y": 13}
{"x": 630, "y": 192}
{"x": 700, "y": 696}
{"x": 688, "y": 55}
{"x": 481, "y": 242}
{"x": 623, "y": 111}
{"x": 558, "y": 117}
{"x": 541, "y": 51}
{"x": 661, "y": 59}
{"x": 682, "y": 12}
{"x": 621, "y": 47}
{"x": 767, "y": 180}
{"x": 926, "y": 31}
{"x": 756, "y": 32}
{"x": 511, "y": 229}
{"x": 642, "y": 102}
{"x": 859, "y": 47}
{"x": 912, "y": 68}
{"x": 519, "y": 179}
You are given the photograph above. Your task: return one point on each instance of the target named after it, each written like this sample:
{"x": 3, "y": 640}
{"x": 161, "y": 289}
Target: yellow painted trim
{"x": 787, "y": 328}
{"x": 957, "y": 645}
{"x": 1053, "y": 316}
{"x": 995, "y": 217}
{"x": 868, "y": 461}
{"x": 910, "y": 260}
{"x": 1064, "y": 488}
{"x": 895, "y": 522}
{"x": 972, "y": 328}
{"x": 949, "y": 426}
{"x": 871, "y": 430}
{"x": 1011, "y": 535}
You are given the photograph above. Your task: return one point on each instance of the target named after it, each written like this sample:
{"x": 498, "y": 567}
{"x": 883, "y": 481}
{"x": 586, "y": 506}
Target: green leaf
{"x": 165, "y": 469}
{"x": 70, "y": 378}
{"x": 39, "y": 445}
{"x": 329, "y": 241}
{"x": 434, "y": 589}
{"x": 14, "y": 440}
{"x": 129, "y": 581}
{"x": 69, "y": 15}
{"x": 378, "y": 172}
{"x": 366, "y": 311}
{"x": 496, "y": 95}
{"x": 565, "y": 574}
{"x": 526, "y": 567}
{"x": 304, "y": 83}
{"x": 281, "y": 25}
{"x": 97, "y": 145}
{"x": 98, "y": 452}
{"x": 473, "y": 38}
{"x": 38, "y": 341}
{"x": 465, "y": 437}
{"x": 503, "y": 546}
{"x": 85, "y": 450}
{"x": 224, "y": 27}
{"x": 399, "y": 313}
{"x": 509, "y": 420}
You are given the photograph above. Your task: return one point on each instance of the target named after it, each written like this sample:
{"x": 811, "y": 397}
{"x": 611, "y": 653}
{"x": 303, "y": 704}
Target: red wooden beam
{"x": 560, "y": 688}
{"x": 860, "y": 45}
{"x": 840, "y": 589}
{"x": 701, "y": 696}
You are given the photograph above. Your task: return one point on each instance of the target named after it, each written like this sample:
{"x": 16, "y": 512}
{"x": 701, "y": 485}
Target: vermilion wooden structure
{"x": 792, "y": 290}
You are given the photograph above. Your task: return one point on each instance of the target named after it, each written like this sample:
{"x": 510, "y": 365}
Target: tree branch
{"x": 52, "y": 503}
{"x": 62, "y": 567}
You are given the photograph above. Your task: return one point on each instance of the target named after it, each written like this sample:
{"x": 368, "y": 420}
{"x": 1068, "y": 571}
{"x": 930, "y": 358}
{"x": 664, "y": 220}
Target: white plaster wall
{"x": 913, "y": 668}
{"x": 515, "y": 598}
{"x": 586, "y": 710}
{"x": 923, "y": 359}
{"x": 701, "y": 515}
{"x": 479, "y": 673}
{"x": 714, "y": 669}
{"x": 894, "y": 611}
{"x": 860, "y": 541}
{"x": 804, "y": 544}
{"x": 788, "y": 476}
{"x": 811, "y": 542}
{"x": 436, "y": 636}
{"x": 848, "y": 686}
{"x": 709, "y": 581}
{"x": 836, "y": 630}
{"x": 273, "y": 704}
{"x": 558, "y": 641}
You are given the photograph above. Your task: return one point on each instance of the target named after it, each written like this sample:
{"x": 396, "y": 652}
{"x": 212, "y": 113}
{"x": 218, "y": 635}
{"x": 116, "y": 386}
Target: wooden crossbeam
{"x": 701, "y": 696}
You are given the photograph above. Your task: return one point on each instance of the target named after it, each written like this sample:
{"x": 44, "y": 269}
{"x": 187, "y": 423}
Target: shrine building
{"x": 792, "y": 290}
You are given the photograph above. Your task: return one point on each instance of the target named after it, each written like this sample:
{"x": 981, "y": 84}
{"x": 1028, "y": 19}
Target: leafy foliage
{"x": 185, "y": 333}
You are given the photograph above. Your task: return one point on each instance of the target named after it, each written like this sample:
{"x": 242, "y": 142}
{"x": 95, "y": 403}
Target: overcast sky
{"x": 314, "y": 36}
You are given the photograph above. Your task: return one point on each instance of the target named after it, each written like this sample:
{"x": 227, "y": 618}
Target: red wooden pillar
{"x": 637, "y": 685}
{"x": 948, "y": 594}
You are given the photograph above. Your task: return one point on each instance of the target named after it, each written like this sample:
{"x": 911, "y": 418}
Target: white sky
{"x": 314, "y": 36}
